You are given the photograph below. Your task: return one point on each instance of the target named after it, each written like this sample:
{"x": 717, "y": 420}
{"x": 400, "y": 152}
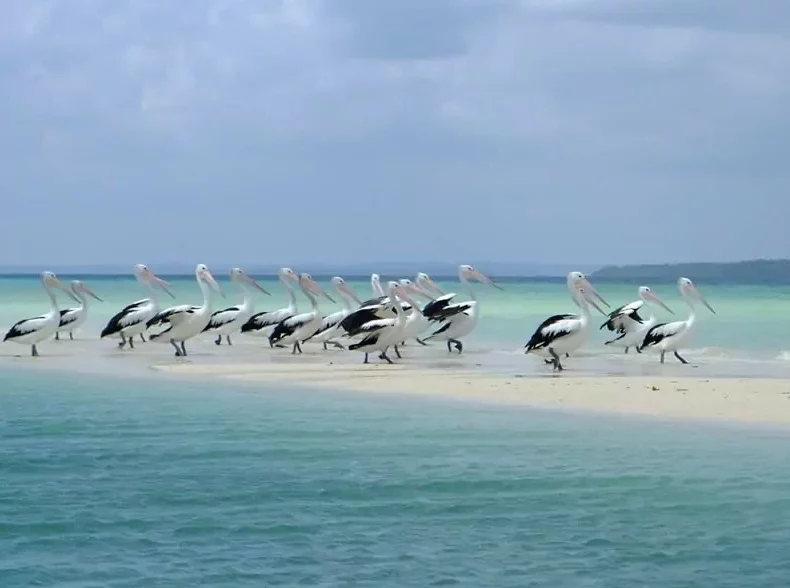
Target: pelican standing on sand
{"x": 72, "y": 319}
{"x": 676, "y": 335}
{"x": 185, "y": 321}
{"x": 630, "y": 326}
{"x": 263, "y": 323}
{"x": 131, "y": 320}
{"x": 229, "y": 320}
{"x": 460, "y": 318}
{"x": 562, "y": 333}
{"x": 330, "y": 329}
{"x": 34, "y": 330}
{"x": 380, "y": 334}
{"x": 297, "y": 328}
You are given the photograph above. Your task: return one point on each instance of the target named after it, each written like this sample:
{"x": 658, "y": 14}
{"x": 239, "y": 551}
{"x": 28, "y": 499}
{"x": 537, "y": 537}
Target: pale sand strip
{"x": 738, "y": 400}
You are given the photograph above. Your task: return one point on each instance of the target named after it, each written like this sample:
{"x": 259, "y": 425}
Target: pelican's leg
{"x": 337, "y": 345}
{"x": 449, "y": 346}
{"x": 384, "y": 357}
{"x": 33, "y": 350}
{"x": 397, "y": 352}
{"x": 548, "y": 361}
{"x": 366, "y": 358}
{"x": 638, "y": 350}
{"x": 557, "y": 365}
{"x": 325, "y": 347}
{"x": 71, "y": 335}
{"x": 567, "y": 355}
{"x": 218, "y": 340}
{"x": 227, "y": 338}
{"x": 662, "y": 355}
{"x": 458, "y": 345}
{"x": 57, "y": 336}
{"x": 183, "y": 349}
{"x": 123, "y": 342}
{"x": 680, "y": 359}
{"x": 142, "y": 338}
{"x": 131, "y": 342}
{"x": 174, "y": 344}
{"x": 626, "y": 349}
{"x": 420, "y": 341}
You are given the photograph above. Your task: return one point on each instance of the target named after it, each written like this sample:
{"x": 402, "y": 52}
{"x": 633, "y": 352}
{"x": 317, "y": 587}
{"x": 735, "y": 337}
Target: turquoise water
{"x": 750, "y": 319}
{"x": 142, "y": 484}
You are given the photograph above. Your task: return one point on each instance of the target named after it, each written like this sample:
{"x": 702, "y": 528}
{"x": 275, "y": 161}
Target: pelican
{"x": 34, "y": 330}
{"x": 185, "y": 321}
{"x": 301, "y": 326}
{"x": 675, "y": 335}
{"x": 330, "y": 324}
{"x": 416, "y": 321}
{"x": 130, "y": 321}
{"x": 563, "y": 333}
{"x": 228, "y": 320}
{"x": 380, "y": 334}
{"x": 435, "y": 306}
{"x": 630, "y": 326}
{"x": 459, "y": 318}
{"x": 263, "y": 323}
{"x": 73, "y": 318}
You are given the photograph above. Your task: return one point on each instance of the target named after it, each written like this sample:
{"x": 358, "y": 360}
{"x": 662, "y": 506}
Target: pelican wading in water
{"x": 185, "y": 321}
{"x": 297, "y": 328}
{"x": 229, "y": 320}
{"x": 132, "y": 319}
{"x": 72, "y": 319}
{"x": 630, "y": 326}
{"x": 458, "y": 319}
{"x": 678, "y": 334}
{"x": 562, "y": 333}
{"x": 32, "y": 331}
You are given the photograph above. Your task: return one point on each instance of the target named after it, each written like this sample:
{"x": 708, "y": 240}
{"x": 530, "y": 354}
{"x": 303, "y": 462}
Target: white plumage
{"x": 184, "y": 321}
{"x": 295, "y": 329}
{"x": 132, "y": 319}
{"x": 72, "y": 319}
{"x": 32, "y": 331}
{"x": 262, "y": 324}
{"x": 229, "y": 320}
{"x": 678, "y": 334}
{"x": 629, "y": 321}
{"x": 330, "y": 329}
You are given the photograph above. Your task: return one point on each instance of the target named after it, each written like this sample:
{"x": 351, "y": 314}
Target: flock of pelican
{"x": 385, "y": 321}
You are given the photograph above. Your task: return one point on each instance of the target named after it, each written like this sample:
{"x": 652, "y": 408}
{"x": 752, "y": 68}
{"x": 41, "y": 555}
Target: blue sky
{"x": 557, "y": 131}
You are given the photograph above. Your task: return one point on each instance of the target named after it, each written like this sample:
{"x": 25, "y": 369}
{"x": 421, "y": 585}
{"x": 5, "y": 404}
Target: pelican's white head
{"x": 343, "y": 288}
{"x": 310, "y": 285}
{"x": 427, "y": 284}
{"x": 239, "y": 275}
{"x": 286, "y": 274}
{"x": 50, "y": 280}
{"x": 578, "y": 281}
{"x": 203, "y": 274}
{"x": 146, "y": 276}
{"x": 689, "y": 290}
{"x": 412, "y": 288}
{"x": 78, "y": 287}
{"x": 467, "y": 272}
{"x": 646, "y": 294}
{"x": 397, "y": 291}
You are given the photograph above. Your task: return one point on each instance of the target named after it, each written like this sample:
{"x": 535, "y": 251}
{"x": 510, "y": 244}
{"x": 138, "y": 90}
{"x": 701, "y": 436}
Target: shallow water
{"x": 143, "y": 484}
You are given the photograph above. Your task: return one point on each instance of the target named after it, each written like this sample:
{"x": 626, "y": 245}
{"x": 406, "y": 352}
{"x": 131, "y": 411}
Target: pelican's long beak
{"x": 349, "y": 292}
{"x": 660, "y": 302}
{"x": 701, "y": 298}
{"x": 68, "y": 291}
{"x": 319, "y": 291}
{"x": 254, "y": 284}
{"x": 427, "y": 284}
{"x": 91, "y": 293}
{"x": 213, "y": 283}
{"x": 486, "y": 280}
{"x": 157, "y": 281}
{"x": 591, "y": 300}
{"x": 420, "y": 291}
{"x": 401, "y": 294}
{"x": 588, "y": 288}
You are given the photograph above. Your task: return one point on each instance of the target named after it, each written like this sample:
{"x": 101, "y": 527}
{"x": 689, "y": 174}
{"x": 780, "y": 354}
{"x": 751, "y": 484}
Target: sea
{"x": 118, "y": 482}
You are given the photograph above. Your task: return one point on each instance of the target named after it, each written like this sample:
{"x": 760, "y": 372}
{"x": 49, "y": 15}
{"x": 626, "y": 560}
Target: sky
{"x": 286, "y": 131}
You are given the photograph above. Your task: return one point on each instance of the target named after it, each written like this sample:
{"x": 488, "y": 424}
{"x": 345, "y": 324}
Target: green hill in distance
{"x": 752, "y": 272}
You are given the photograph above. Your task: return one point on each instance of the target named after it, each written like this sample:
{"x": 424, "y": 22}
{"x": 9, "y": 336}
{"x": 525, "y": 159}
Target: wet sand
{"x": 750, "y": 392}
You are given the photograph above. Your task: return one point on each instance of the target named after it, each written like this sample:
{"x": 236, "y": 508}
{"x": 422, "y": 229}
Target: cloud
{"x": 502, "y": 119}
